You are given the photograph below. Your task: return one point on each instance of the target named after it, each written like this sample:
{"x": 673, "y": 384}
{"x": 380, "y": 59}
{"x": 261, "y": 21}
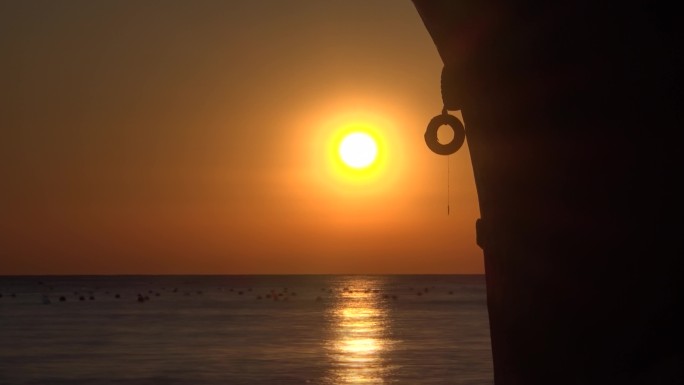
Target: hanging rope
{"x": 448, "y": 182}
{"x": 445, "y": 149}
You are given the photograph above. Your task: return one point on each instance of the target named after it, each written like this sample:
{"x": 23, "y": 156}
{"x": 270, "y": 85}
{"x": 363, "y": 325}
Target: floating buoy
{"x": 438, "y": 121}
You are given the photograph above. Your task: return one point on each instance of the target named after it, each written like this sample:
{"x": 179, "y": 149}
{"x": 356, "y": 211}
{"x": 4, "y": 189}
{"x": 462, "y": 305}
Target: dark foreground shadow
{"x": 574, "y": 126}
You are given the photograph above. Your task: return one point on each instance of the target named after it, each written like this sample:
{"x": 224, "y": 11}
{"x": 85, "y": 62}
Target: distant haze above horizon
{"x": 176, "y": 137}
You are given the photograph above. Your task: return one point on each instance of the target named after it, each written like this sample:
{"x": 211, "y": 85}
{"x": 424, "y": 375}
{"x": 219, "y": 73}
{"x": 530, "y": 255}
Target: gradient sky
{"x": 192, "y": 137}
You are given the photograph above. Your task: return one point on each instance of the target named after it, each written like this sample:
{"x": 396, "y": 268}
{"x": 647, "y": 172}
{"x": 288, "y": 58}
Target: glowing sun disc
{"x": 358, "y": 150}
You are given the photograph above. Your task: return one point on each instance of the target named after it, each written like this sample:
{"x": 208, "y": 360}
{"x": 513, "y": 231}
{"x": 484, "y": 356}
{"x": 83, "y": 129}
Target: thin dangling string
{"x": 448, "y": 182}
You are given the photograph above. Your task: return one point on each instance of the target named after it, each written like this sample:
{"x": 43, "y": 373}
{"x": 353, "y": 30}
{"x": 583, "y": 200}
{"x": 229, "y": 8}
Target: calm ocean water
{"x": 202, "y": 330}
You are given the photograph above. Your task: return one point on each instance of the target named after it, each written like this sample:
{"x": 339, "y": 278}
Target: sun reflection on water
{"x": 360, "y": 342}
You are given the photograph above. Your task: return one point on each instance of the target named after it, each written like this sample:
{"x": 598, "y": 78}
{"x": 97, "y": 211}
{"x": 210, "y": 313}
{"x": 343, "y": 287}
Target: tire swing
{"x": 431, "y": 134}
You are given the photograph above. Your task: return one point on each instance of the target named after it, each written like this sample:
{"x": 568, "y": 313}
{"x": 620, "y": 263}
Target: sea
{"x": 250, "y": 329}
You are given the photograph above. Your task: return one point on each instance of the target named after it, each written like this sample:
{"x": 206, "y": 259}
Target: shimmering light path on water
{"x": 360, "y": 338}
{"x": 207, "y": 330}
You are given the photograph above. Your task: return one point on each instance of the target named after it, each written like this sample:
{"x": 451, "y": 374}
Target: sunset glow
{"x": 205, "y": 140}
{"x": 358, "y": 150}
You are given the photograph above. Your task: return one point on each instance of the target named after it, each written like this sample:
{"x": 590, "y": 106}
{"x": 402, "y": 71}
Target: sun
{"x": 355, "y": 154}
{"x": 358, "y": 150}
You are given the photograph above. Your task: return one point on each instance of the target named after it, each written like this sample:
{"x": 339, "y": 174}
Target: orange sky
{"x": 190, "y": 137}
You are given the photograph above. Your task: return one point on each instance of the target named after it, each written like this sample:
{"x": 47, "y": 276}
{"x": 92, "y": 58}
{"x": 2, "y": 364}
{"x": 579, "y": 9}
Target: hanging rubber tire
{"x": 431, "y": 134}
